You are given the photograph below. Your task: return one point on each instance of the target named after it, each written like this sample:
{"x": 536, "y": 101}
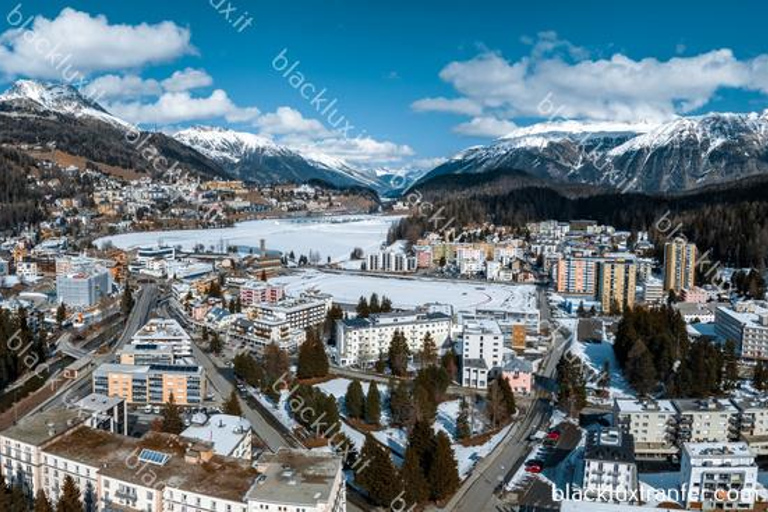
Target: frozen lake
{"x": 410, "y": 293}
{"x": 330, "y": 236}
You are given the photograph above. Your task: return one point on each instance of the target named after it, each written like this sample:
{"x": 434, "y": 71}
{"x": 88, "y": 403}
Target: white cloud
{"x": 464, "y": 106}
{"x": 179, "y": 107}
{"x": 485, "y": 127}
{"x": 108, "y": 87}
{"x": 187, "y": 79}
{"x": 288, "y": 121}
{"x": 559, "y": 80}
{"x": 77, "y": 43}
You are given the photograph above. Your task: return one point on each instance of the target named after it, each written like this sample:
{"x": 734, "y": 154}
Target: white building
{"x": 610, "y": 471}
{"x": 231, "y": 436}
{"x": 753, "y": 424}
{"x": 716, "y": 473}
{"x": 746, "y": 324}
{"x": 165, "y": 331}
{"x": 651, "y": 423}
{"x": 482, "y": 344}
{"x": 361, "y": 341}
{"x": 707, "y": 420}
{"x": 307, "y": 310}
{"x": 391, "y": 261}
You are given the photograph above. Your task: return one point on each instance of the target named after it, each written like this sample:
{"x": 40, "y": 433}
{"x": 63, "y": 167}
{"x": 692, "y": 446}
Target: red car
{"x": 553, "y": 435}
{"x": 533, "y": 468}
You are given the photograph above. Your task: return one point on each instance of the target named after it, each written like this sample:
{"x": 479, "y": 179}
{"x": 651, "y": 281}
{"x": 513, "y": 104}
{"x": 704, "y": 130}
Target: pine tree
{"x": 215, "y": 344}
{"x": 42, "y": 503}
{"x": 70, "y": 500}
{"x": 401, "y": 404}
{"x": 449, "y": 362}
{"x": 386, "y": 304}
{"x": 312, "y": 359}
{"x": 640, "y": 369}
{"x": 398, "y": 354}
{"x": 417, "y": 488}
{"x": 428, "y": 351}
{"x": 373, "y": 303}
{"x": 354, "y": 400}
{"x": 373, "y": 405}
{"x": 496, "y": 406}
{"x": 363, "y": 311}
{"x": 61, "y": 314}
{"x": 171, "y": 417}
{"x": 463, "y": 428}
{"x": 508, "y": 395}
{"x": 731, "y": 369}
{"x": 126, "y": 302}
{"x": 444, "y": 472}
{"x": 232, "y": 405}
{"x": 18, "y": 498}
{"x": 377, "y": 474}
{"x": 760, "y": 376}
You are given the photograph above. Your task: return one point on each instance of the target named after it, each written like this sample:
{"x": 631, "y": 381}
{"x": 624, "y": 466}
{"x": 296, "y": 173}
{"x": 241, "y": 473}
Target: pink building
{"x": 424, "y": 257}
{"x": 519, "y": 374}
{"x": 695, "y": 294}
{"x": 256, "y": 292}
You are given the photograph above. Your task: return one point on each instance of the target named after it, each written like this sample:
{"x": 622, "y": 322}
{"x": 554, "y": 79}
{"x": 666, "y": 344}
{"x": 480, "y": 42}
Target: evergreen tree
{"x": 398, "y": 354}
{"x": 171, "y": 417}
{"x": 507, "y": 395}
{"x": 42, "y": 503}
{"x": 571, "y": 384}
{"x": 373, "y": 303}
{"x": 312, "y": 360}
{"x": 373, "y": 405}
{"x": 449, "y": 362}
{"x": 376, "y": 474}
{"x": 417, "y": 488}
{"x": 386, "y": 304}
{"x": 215, "y": 344}
{"x": 232, "y": 405}
{"x": 362, "y": 309}
{"x": 760, "y": 376}
{"x": 126, "y": 302}
{"x": 444, "y": 471}
{"x": 18, "y": 500}
{"x": 401, "y": 404}
{"x": 463, "y": 428}
{"x": 428, "y": 351}
{"x": 640, "y": 369}
{"x": 731, "y": 370}
{"x": 354, "y": 400}
{"x": 70, "y": 500}
{"x": 61, "y": 314}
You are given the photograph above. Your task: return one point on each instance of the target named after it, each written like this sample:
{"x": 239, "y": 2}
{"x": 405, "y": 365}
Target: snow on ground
{"x": 331, "y": 236}
{"x": 447, "y": 412}
{"x": 283, "y": 409}
{"x": 338, "y": 389}
{"x": 412, "y": 292}
{"x": 468, "y": 456}
{"x": 596, "y": 355}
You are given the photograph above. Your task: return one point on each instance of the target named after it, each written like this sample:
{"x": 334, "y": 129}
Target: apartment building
{"x": 482, "y": 344}
{"x": 302, "y": 312}
{"x": 151, "y": 384}
{"x": 164, "y": 331}
{"x": 254, "y": 292}
{"x": 391, "y": 261}
{"x": 679, "y": 265}
{"x": 140, "y": 354}
{"x": 746, "y": 323}
{"x": 610, "y": 471}
{"x": 83, "y": 284}
{"x": 616, "y": 285}
{"x": 256, "y": 334}
{"x": 361, "y": 341}
{"x": 753, "y": 424}
{"x": 719, "y": 476}
{"x": 576, "y": 275}
{"x": 652, "y": 425}
{"x": 707, "y": 420}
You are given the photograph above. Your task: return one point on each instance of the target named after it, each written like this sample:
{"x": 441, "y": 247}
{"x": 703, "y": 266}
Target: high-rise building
{"x": 576, "y": 275}
{"x": 616, "y": 285}
{"x": 679, "y": 265}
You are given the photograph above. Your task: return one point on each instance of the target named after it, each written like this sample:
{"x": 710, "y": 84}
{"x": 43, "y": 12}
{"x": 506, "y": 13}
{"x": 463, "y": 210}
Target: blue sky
{"x": 416, "y": 80}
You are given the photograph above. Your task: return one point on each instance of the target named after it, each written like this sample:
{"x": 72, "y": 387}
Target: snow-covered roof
{"x": 225, "y": 431}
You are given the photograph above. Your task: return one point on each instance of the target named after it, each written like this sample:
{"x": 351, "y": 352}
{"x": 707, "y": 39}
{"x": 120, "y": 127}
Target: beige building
{"x": 151, "y": 384}
{"x": 679, "y": 265}
{"x": 707, "y": 420}
{"x": 616, "y": 285}
{"x": 652, "y": 424}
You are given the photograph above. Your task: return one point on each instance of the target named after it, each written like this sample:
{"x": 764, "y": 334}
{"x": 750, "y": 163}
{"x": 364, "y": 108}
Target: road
{"x": 477, "y": 493}
{"x": 81, "y": 387}
{"x": 265, "y": 425}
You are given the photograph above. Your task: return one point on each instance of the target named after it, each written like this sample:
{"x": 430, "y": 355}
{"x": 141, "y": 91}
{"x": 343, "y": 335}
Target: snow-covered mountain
{"x": 28, "y": 97}
{"x": 259, "y": 159}
{"x": 682, "y": 154}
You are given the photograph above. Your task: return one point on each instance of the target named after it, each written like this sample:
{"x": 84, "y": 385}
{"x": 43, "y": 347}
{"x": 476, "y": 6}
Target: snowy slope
{"x": 29, "y": 95}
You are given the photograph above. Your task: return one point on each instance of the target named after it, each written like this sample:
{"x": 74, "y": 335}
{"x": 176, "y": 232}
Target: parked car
{"x": 534, "y": 468}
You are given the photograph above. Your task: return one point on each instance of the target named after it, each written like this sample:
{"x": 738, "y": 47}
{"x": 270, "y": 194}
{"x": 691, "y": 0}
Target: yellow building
{"x": 679, "y": 265}
{"x": 151, "y": 384}
{"x": 616, "y": 285}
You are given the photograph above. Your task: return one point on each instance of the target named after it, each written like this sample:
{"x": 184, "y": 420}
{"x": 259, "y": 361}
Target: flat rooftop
{"x": 223, "y": 430}
{"x": 99, "y": 403}
{"x": 293, "y": 477}
{"x": 44, "y": 426}
{"x": 719, "y": 450}
{"x": 630, "y": 406}
{"x": 158, "y": 329}
{"x": 223, "y": 477}
{"x": 704, "y": 405}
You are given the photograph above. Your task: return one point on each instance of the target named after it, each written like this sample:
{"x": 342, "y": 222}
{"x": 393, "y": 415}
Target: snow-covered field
{"x": 413, "y": 292}
{"x": 596, "y": 355}
{"x": 331, "y": 236}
